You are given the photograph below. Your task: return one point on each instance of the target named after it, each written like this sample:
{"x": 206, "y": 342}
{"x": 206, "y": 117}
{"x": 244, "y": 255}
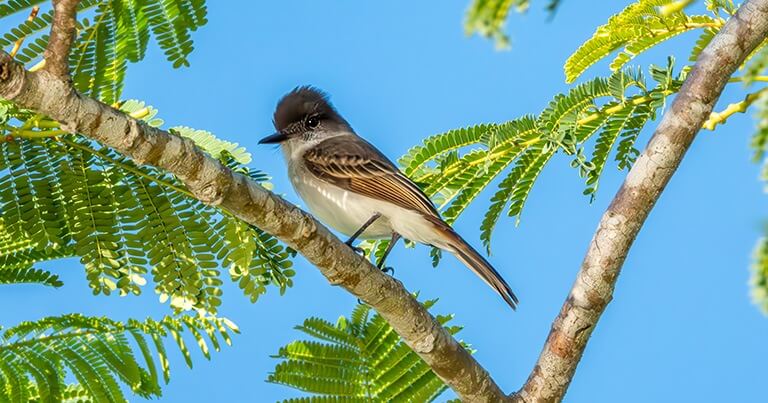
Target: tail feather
{"x": 454, "y": 243}
{"x": 478, "y": 264}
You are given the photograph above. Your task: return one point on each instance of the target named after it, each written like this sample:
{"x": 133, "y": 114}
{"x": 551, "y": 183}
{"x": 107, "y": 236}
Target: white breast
{"x": 343, "y": 210}
{"x": 346, "y": 211}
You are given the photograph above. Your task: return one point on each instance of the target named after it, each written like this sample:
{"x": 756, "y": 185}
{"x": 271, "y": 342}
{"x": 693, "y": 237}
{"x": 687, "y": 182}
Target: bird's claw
{"x": 360, "y": 251}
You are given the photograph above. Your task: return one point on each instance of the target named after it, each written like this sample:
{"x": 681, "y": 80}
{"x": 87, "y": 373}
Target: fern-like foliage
{"x": 757, "y": 65}
{"x": 759, "y": 280}
{"x": 357, "y": 359}
{"x": 759, "y": 142}
{"x": 639, "y": 27}
{"x": 488, "y": 17}
{"x": 29, "y": 275}
{"x": 37, "y": 358}
{"x": 455, "y": 167}
{"x": 111, "y": 33}
{"x": 67, "y": 196}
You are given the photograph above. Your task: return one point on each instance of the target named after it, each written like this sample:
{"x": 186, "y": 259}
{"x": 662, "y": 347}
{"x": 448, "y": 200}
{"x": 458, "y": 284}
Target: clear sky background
{"x": 681, "y": 327}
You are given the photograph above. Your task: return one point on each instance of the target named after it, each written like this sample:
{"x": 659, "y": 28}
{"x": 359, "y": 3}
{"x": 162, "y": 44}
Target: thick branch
{"x": 620, "y": 224}
{"x": 214, "y": 184}
{"x": 62, "y": 35}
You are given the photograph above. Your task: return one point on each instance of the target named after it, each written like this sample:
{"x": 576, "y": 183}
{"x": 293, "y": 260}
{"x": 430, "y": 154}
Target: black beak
{"x": 274, "y": 138}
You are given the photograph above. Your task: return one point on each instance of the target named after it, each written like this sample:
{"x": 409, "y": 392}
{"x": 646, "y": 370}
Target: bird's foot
{"x": 360, "y": 251}
{"x": 388, "y": 270}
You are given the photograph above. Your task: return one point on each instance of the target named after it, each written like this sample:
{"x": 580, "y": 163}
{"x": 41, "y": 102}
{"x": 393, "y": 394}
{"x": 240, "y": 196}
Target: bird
{"x": 350, "y": 185}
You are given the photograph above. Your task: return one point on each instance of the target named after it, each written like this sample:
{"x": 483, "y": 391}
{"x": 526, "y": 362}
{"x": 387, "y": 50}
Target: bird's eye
{"x": 312, "y": 122}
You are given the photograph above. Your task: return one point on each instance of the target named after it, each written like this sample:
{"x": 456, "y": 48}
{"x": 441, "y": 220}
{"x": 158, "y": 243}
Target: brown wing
{"x": 352, "y": 163}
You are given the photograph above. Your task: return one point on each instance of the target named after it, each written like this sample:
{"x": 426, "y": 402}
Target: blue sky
{"x": 681, "y": 326}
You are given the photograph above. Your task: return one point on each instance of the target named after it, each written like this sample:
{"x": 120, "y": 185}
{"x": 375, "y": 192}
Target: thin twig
{"x": 20, "y": 41}
{"x": 718, "y": 118}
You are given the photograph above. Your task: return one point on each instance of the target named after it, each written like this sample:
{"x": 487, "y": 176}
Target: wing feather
{"x": 352, "y": 163}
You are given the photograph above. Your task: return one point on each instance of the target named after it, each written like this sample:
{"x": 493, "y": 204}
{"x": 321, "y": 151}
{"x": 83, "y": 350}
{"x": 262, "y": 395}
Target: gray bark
{"x": 594, "y": 285}
{"x": 49, "y": 91}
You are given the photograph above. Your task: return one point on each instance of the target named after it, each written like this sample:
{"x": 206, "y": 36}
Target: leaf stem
{"x": 763, "y": 79}
{"x": 129, "y": 168}
{"x": 718, "y": 118}
{"x": 20, "y": 41}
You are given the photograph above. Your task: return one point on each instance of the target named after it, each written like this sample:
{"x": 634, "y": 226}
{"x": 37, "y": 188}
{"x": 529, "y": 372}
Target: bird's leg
{"x": 380, "y": 264}
{"x": 360, "y": 231}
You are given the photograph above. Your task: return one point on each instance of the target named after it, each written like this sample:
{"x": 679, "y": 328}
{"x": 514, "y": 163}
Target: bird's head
{"x": 305, "y": 115}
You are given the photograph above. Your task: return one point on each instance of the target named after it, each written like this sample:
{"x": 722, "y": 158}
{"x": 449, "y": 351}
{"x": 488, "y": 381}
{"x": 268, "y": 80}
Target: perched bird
{"x": 350, "y": 185}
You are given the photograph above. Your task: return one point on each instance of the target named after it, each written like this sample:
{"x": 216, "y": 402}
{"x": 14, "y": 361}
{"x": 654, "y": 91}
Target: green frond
{"x": 69, "y": 197}
{"x": 509, "y": 139}
{"x": 616, "y": 124}
{"x": 28, "y": 275}
{"x": 562, "y": 111}
{"x": 626, "y": 153}
{"x": 522, "y": 188}
{"x": 255, "y": 258}
{"x": 706, "y": 36}
{"x": 635, "y": 29}
{"x": 487, "y": 18}
{"x": 759, "y": 279}
{"x": 24, "y": 257}
{"x": 324, "y": 330}
{"x": 97, "y": 66}
{"x": 500, "y": 200}
{"x": 95, "y": 230}
{"x": 759, "y": 141}
{"x": 31, "y": 203}
{"x": 141, "y": 110}
{"x": 111, "y": 33}
{"x": 458, "y": 165}
{"x": 132, "y": 28}
{"x": 14, "y": 6}
{"x": 213, "y": 145}
{"x": 168, "y": 22}
{"x": 328, "y": 399}
{"x": 360, "y": 358}
{"x": 757, "y": 64}
{"x": 634, "y": 47}
{"x": 437, "y": 145}
{"x": 36, "y": 358}
{"x": 725, "y": 6}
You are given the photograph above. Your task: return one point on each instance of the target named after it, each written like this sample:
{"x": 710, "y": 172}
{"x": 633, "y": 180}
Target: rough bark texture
{"x": 51, "y": 94}
{"x": 620, "y": 224}
{"x": 62, "y": 35}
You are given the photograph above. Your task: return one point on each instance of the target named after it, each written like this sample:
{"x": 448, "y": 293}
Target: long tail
{"x": 476, "y": 262}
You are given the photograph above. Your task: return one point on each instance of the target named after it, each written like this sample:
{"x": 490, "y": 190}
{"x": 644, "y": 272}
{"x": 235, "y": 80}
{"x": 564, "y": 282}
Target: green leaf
{"x": 637, "y": 28}
{"x": 29, "y": 275}
{"x": 70, "y": 197}
{"x": 360, "y": 358}
{"x": 35, "y": 357}
{"x": 115, "y": 33}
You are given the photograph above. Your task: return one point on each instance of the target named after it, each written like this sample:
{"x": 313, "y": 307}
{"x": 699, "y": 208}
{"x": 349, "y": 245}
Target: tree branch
{"x": 62, "y": 35}
{"x": 214, "y": 184}
{"x": 594, "y": 286}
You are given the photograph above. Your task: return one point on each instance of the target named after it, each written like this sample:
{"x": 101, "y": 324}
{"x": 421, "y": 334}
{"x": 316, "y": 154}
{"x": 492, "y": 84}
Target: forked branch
{"x": 594, "y": 285}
